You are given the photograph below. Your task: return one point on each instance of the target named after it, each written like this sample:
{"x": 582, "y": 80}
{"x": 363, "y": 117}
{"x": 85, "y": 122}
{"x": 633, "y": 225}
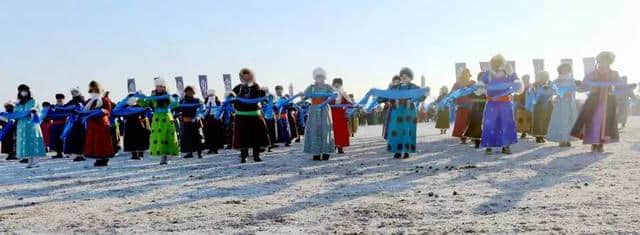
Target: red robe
{"x": 464, "y": 108}
{"x": 45, "y": 126}
{"x": 340, "y": 124}
{"x": 98, "y": 140}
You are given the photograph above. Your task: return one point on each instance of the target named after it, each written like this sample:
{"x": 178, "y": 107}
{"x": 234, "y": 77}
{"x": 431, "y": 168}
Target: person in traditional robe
{"x": 45, "y": 126}
{"x": 597, "y": 123}
{"x": 269, "y": 112}
{"x": 442, "y": 119}
{"x": 292, "y": 116}
{"x": 339, "y": 117}
{"x": 478, "y": 99}
{"x": 214, "y": 133}
{"x": 564, "y": 112}
{"x": 463, "y": 106}
{"x": 8, "y": 142}
{"x": 57, "y": 126}
{"x": 386, "y": 110}
{"x": 543, "y": 106}
{"x": 29, "y": 141}
{"x": 523, "y": 116}
{"x": 191, "y": 137}
{"x": 98, "y": 142}
{"x": 249, "y": 128}
{"x": 403, "y": 119}
{"x": 73, "y": 142}
{"x": 164, "y": 136}
{"x": 136, "y": 132}
{"x": 318, "y": 137}
{"x": 623, "y": 99}
{"x": 282, "y": 113}
{"x": 354, "y": 120}
{"x": 499, "y": 124}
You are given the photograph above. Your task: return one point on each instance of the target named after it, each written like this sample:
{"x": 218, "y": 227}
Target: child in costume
{"x": 354, "y": 120}
{"x": 29, "y": 142}
{"x": 564, "y": 112}
{"x": 8, "y": 140}
{"x": 214, "y": 137}
{"x": 442, "y": 119}
{"x": 543, "y": 106}
{"x": 56, "y": 143}
{"x": 386, "y": 110}
{"x": 282, "y": 113}
{"x": 499, "y": 125}
{"x": 463, "y": 106}
{"x": 190, "y": 137}
{"x": 45, "y": 127}
{"x": 249, "y": 128}
{"x": 136, "y": 132}
{"x": 98, "y": 142}
{"x": 269, "y": 113}
{"x": 523, "y": 116}
{"x": 403, "y": 119}
{"x": 164, "y": 137}
{"x": 478, "y": 100}
{"x": 318, "y": 137}
{"x": 339, "y": 116}
{"x": 597, "y": 124}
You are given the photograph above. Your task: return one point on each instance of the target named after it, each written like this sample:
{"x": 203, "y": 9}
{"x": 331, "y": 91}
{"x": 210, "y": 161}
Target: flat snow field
{"x": 446, "y": 187}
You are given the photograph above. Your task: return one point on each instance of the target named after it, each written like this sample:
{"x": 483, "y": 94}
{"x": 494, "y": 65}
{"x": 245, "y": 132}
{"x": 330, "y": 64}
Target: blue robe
{"x": 499, "y": 124}
{"x": 402, "y": 124}
{"x": 29, "y": 141}
{"x": 564, "y": 114}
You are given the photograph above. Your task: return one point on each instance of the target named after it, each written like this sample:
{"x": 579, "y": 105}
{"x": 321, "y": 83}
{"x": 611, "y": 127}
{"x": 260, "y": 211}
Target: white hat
{"x": 160, "y": 82}
{"x": 319, "y": 72}
{"x": 76, "y": 89}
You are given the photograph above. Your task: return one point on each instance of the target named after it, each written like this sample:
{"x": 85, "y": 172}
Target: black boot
{"x": 243, "y": 155}
{"x": 488, "y": 151}
{"x": 79, "y": 159}
{"x": 325, "y": 157}
{"x": 58, "y": 155}
{"x": 101, "y": 162}
{"x": 25, "y": 161}
{"x": 506, "y": 150}
{"x": 189, "y": 155}
{"x": 340, "y": 150}
{"x": 287, "y": 144}
{"x": 405, "y": 156}
{"x": 477, "y": 144}
{"x": 298, "y": 140}
{"x": 11, "y": 157}
{"x": 524, "y": 135}
{"x": 135, "y": 156}
{"x": 317, "y": 158}
{"x": 397, "y": 155}
{"x": 256, "y": 155}
{"x": 463, "y": 140}
{"x": 199, "y": 154}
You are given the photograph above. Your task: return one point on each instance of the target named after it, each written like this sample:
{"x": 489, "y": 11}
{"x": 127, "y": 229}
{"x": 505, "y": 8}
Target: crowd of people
{"x": 489, "y": 112}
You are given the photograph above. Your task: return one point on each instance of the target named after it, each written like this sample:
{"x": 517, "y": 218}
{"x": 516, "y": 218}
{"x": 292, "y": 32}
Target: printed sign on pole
{"x": 204, "y": 85}
{"x": 423, "y": 81}
{"x": 484, "y": 66}
{"x": 538, "y": 65}
{"x": 459, "y": 68}
{"x": 227, "y": 82}
{"x": 180, "y": 85}
{"x": 513, "y": 64}
{"x": 131, "y": 85}
{"x": 589, "y": 65}
{"x": 291, "y": 89}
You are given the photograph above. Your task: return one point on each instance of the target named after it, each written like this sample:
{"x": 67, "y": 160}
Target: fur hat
{"x": 23, "y": 87}
{"x": 319, "y": 72}
{"x": 406, "y": 71}
{"x": 59, "y": 96}
{"x": 606, "y": 56}
{"x": 337, "y": 80}
{"x": 160, "y": 82}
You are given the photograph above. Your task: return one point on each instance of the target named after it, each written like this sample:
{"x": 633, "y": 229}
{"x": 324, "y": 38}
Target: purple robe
{"x": 499, "y": 124}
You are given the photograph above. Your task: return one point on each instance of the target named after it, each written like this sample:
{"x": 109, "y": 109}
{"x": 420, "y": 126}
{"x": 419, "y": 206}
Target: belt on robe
{"x": 254, "y": 113}
{"x": 502, "y": 99}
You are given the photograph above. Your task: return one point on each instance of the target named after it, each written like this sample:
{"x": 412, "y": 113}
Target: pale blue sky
{"x": 54, "y": 45}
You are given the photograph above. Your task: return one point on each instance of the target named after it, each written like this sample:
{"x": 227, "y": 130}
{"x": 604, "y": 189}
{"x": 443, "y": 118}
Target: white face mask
{"x": 24, "y": 93}
{"x": 94, "y": 95}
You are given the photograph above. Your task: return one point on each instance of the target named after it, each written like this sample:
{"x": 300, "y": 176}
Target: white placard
{"x": 513, "y": 64}
{"x": 291, "y": 89}
{"x": 180, "y": 85}
{"x": 226, "y": 78}
{"x": 589, "y": 65}
{"x": 484, "y": 66}
{"x": 538, "y": 65}
{"x": 131, "y": 85}
{"x": 204, "y": 85}
{"x": 459, "y": 68}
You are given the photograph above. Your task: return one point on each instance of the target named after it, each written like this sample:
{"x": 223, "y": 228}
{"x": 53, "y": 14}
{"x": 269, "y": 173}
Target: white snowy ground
{"x": 538, "y": 189}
